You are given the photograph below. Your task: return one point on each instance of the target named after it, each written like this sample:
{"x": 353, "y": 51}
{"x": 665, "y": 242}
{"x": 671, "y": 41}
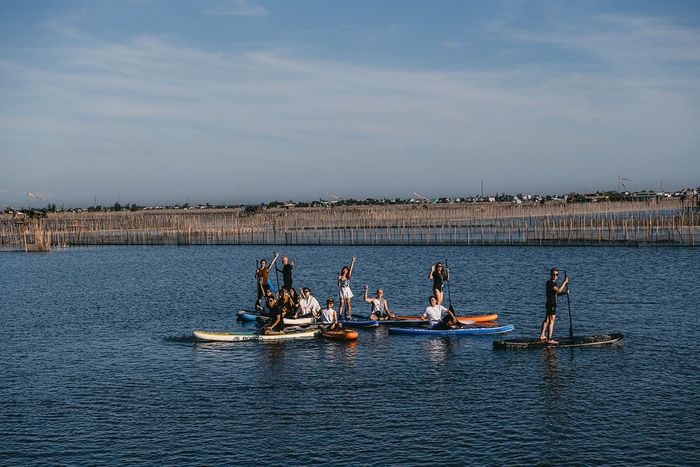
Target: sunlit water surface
{"x": 98, "y": 363}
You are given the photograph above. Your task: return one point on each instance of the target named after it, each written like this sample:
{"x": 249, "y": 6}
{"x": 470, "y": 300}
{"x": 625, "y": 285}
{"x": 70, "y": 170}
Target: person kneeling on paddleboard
{"x": 380, "y": 307}
{"x": 438, "y": 316}
{"x": 276, "y": 320}
{"x": 553, "y": 289}
{"x": 329, "y": 317}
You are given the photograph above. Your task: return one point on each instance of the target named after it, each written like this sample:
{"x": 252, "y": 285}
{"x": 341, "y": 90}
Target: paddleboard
{"x": 577, "y": 341}
{"x": 249, "y": 316}
{"x": 461, "y": 319}
{"x": 342, "y": 335}
{"x": 452, "y": 332}
{"x": 252, "y": 336}
{"x": 359, "y": 323}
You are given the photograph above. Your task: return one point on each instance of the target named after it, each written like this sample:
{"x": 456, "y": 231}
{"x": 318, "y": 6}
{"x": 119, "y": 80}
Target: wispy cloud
{"x": 237, "y": 8}
{"x": 213, "y": 119}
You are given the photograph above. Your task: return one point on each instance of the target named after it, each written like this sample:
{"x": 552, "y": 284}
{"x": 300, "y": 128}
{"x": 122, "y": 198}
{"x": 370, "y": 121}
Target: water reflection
{"x": 438, "y": 349}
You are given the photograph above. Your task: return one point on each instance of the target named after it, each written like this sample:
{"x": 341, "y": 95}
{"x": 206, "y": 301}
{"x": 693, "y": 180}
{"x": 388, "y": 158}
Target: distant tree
{"x": 117, "y": 206}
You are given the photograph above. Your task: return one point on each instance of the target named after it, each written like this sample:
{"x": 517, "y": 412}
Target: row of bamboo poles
{"x": 629, "y": 223}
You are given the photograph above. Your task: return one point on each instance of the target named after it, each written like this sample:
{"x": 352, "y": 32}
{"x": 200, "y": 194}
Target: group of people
{"x": 288, "y": 303}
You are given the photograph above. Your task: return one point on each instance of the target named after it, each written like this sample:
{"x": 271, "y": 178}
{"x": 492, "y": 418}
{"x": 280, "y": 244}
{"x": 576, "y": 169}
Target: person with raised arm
{"x": 262, "y": 275}
{"x": 344, "y": 291}
{"x": 287, "y": 268}
{"x": 380, "y": 307}
{"x": 438, "y": 275}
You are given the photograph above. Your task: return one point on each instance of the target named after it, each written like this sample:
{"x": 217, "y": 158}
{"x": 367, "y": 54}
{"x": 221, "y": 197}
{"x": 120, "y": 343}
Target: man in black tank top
{"x": 552, "y": 290}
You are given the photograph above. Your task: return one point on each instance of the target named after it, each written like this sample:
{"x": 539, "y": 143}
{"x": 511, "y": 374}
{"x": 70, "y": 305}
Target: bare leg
{"x": 545, "y": 323}
{"x": 438, "y": 295}
{"x": 349, "y": 309}
{"x": 551, "y": 326}
{"x": 342, "y": 306}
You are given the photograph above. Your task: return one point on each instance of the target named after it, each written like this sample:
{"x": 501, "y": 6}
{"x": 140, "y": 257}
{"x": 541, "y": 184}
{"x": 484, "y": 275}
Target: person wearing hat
{"x": 329, "y": 317}
{"x": 552, "y": 290}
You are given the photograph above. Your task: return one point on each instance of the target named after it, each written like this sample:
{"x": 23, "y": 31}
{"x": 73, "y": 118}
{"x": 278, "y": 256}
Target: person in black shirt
{"x": 286, "y": 271}
{"x": 438, "y": 275}
{"x": 275, "y": 324}
{"x": 552, "y": 290}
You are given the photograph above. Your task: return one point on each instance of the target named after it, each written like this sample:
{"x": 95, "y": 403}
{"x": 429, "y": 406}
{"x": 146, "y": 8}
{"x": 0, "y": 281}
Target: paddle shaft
{"x": 277, "y": 274}
{"x": 568, "y": 304}
{"x": 449, "y": 294}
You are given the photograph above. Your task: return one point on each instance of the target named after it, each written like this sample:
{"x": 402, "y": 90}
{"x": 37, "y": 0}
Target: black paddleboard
{"x": 577, "y": 341}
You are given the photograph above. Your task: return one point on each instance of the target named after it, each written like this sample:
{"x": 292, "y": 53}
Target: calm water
{"x": 97, "y": 363}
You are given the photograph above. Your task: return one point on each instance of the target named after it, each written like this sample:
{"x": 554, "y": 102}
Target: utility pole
{"x": 482, "y": 189}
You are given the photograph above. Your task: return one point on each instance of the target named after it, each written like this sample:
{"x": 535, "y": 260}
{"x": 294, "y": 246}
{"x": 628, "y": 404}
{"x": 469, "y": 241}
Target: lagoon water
{"x": 98, "y": 365}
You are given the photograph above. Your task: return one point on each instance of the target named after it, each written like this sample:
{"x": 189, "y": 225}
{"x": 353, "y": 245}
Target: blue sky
{"x": 240, "y": 100}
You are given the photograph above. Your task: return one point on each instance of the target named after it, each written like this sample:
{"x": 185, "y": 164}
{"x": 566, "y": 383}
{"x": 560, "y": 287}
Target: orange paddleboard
{"x": 463, "y": 319}
{"x": 343, "y": 335}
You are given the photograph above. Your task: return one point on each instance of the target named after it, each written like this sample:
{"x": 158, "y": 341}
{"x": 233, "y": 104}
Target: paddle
{"x": 568, "y": 304}
{"x": 449, "y": 294}
{"x": 277, "y": 274}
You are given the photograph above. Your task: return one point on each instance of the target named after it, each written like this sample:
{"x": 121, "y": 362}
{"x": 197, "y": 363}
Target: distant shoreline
{"x": 652, "y": 222}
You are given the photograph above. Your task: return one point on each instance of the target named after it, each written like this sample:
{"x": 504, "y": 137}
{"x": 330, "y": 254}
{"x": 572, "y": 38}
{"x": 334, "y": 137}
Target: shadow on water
{"x": 185, "y": 339}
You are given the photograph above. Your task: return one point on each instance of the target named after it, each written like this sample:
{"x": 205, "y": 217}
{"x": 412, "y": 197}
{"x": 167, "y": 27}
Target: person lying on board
{"x": 440, "y": 317}
{"x": 329, "y": 317}
{"x": 438, "y": 275}
{"x": 308, "y": 305}
{"x": 552, "y": 290}
{"x": 380, "y": 307}
{"x": 262, "y": 276}
{"x": 275, "y": 324}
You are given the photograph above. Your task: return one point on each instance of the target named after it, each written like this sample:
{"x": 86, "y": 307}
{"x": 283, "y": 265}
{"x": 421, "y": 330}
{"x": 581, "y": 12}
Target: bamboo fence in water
{"x": 664, "y": 221}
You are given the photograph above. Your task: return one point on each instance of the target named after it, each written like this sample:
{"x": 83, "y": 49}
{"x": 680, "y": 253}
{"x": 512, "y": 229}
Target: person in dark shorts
{"x": 262, "y": 277}
{"x": 286, "y": 271}
{"x": 553, "y": 289}
{"x": 275, "y": 324}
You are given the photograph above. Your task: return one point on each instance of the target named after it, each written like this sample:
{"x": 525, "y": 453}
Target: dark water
{"x": 98, "y": 366}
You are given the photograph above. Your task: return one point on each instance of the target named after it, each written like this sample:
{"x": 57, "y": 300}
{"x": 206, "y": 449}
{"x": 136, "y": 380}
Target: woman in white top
{"x": 344, "y": 291}
{"x": 308, "y": 305}
{"x": 438, "y": 316}
{"x": 329, "y": 317}
{"x": 380, "y": 307}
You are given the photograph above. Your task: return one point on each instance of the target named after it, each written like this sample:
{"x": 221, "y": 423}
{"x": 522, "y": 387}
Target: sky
{"x": 240, "y": 101}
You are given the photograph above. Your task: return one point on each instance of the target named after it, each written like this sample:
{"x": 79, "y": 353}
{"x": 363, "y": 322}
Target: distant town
{"x": 519, "y": 198}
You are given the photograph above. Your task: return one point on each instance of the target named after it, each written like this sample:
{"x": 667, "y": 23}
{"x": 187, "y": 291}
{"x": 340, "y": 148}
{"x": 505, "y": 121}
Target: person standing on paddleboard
{"x": 262, "y": 274}
{"x": 438, "y": 275}
{"x": 344, "y": 292}
{"x": 553, "y": 289}
{"x": 286, "y": 271}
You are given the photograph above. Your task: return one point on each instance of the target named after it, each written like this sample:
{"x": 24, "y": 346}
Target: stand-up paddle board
{"x": 577, "y": 341}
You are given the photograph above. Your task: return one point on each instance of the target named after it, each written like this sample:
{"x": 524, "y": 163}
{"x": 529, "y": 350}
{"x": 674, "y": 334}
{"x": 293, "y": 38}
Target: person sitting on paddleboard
{"x": 329, "y": 317}
{"x": 308, "y": 305}
{"x": 344, "y": 291}
{"x": 438, "y": 275}
{"x": 262, "y": 275}
{"x": 380, "y": 307}
{"x": 438, "y": 316}
{"x": 276, "y": 319}
{"x": 286, "y": 271}
{"x": 552, "y": 290}
{"x": 286, "y": 303}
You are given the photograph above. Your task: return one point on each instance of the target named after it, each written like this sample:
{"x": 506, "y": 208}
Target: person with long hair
{"x": 438, "y": 275}
{"x": 344, "y": 292}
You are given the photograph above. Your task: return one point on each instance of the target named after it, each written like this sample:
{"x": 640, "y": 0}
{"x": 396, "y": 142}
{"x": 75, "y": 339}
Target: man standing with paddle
{"x": 553, "y": 289}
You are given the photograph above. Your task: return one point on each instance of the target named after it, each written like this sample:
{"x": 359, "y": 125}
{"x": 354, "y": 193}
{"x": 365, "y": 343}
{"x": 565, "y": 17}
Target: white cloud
{"x": 237, "y": 8}
{"x": 151, "y": 114}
